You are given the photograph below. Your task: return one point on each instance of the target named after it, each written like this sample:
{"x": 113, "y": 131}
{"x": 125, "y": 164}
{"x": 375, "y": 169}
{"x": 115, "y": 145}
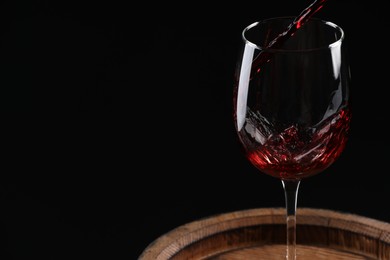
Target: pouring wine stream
{"x": 298, "y": 22}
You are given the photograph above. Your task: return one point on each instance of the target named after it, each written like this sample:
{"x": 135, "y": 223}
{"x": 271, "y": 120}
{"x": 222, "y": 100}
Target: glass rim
{"x": 333, "y": 44}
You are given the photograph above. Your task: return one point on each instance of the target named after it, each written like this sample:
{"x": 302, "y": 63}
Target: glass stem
{"x": 291, "y": 194}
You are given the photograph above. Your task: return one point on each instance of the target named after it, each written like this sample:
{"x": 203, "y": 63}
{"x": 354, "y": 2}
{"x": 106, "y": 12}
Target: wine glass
{"x": 292, "y": 107}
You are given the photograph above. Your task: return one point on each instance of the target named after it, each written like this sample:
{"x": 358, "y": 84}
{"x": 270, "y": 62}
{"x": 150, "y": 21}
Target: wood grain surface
{"x": 261, "y": 234}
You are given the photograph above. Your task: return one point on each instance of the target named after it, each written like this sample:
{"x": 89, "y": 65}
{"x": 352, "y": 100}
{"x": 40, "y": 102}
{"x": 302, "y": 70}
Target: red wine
{"x": 292, "y": 151}
{"x": 295, "y": 152}
{"x": 297, "y": 23}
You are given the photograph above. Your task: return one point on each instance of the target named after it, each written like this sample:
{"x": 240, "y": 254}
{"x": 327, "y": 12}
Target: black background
{"x": 118, "y": 125}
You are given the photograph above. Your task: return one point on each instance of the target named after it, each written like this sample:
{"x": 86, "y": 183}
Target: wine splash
{"x": 296, "y": 152}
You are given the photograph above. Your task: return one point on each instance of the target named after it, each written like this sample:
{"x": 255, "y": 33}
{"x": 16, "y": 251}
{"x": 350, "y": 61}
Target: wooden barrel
{"x": 261, "y": 234}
